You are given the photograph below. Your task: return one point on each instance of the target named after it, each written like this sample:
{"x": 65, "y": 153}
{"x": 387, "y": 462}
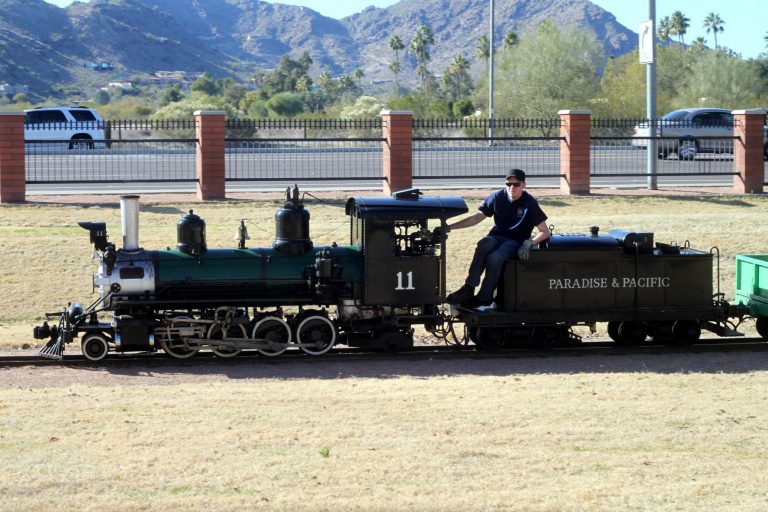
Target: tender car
{"x": 689, "y": 131}
{"x": 82, "y": 126}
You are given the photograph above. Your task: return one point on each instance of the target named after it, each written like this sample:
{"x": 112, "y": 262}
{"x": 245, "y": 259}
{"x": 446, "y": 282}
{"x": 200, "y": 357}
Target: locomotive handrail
{"x": 715, "y": 251}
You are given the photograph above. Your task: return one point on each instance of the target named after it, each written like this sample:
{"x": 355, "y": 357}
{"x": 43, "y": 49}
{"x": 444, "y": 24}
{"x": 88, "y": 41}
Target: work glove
{"x": 525, "y": 250}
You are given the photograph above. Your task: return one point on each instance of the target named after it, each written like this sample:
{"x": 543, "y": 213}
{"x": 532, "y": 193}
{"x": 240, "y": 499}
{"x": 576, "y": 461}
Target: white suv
{"x": 82, "y": 126}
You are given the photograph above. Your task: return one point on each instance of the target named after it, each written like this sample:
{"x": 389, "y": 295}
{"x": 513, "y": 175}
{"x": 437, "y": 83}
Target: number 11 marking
{"x": 400, "y": 281}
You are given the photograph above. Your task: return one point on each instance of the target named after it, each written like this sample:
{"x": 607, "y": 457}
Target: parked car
{"x": 83, "y": 126}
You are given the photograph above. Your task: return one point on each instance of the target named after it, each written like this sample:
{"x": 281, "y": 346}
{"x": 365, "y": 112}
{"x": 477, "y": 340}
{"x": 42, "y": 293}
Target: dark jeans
{"x": 490, "y": 255}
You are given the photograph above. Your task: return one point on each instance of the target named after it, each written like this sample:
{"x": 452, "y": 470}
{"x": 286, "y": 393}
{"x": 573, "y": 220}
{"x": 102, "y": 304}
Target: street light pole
{"x": 490, "y": 77}
{"x": 650, "y": 106}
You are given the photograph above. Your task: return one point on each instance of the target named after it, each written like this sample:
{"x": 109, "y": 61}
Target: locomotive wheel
{"x": 490, "y": 339}
{"x": 762, "y": 327}
{"x": 95, "y": 347}
{"x": 613, "y": 331}
{"x": 685, "y": 332}
{"x": 234, "y": 331}
{"x": 315, "y": 335}
{"x": 275, "y": 332}
{"x": 175, "y": 347}
{"x": 632, "y": 333}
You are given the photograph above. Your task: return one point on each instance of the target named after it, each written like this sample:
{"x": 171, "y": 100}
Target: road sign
{"x": 646, "y": 42}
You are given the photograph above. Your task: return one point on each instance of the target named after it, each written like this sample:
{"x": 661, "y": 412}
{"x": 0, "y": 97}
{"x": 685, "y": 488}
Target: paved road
{"x": 352, "y": 168}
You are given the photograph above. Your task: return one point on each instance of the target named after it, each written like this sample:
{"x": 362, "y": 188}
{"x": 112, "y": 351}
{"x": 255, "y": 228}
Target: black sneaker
{"x": 460, "y": 295}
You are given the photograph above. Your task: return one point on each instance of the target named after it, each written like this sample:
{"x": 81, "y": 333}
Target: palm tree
{"x": 346, "y": 84}
{"x": 394, "y": 67}
{"x": 420, "y": 48}
{"x": 483, "y": 50}
{"x": 325, "y": 81}
{"x": 396, "y": 44}
{"x": 303, "y": 84}
{"x": 457, "y": 69}
{"x": 663, "y": 30}
{"x": 714, "y": 23}
{"x": 359, "y": 74}
{"x": 511, "y": 39}
{"x": 699, "y": 44}
{"x": 679, "y": 24}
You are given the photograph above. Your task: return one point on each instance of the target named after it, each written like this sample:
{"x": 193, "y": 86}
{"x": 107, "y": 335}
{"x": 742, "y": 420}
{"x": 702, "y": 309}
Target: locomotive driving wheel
{"x": 173, "y": 342}
{"x": 315, "y": 335}
{"x": 233, "y": 332}
{"x": 275, "y": 333}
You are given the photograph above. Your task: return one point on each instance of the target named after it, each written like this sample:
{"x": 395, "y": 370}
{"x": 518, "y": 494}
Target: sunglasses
{"x": 513, "y": 183}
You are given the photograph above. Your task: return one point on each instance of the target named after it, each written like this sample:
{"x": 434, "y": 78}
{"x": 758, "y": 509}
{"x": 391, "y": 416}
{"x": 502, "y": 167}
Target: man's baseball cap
{"x": 518, "y": 174}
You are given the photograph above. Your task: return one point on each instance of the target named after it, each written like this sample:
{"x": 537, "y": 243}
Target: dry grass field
{"x": 653, "y": 432}
{"x": 676, "y": 432}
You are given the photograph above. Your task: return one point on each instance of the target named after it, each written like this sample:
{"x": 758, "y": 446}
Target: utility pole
{"x": 650, "y": 101}
{"x": 490, "y": 77}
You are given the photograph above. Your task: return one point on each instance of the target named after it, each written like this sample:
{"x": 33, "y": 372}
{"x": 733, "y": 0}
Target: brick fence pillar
{"x": 748, "y": 151}
{"x": 12, "y": 170}
{"x": 397, "y": 129}
{"x": 209, "y": 160}
{"x": 575, "y": 151}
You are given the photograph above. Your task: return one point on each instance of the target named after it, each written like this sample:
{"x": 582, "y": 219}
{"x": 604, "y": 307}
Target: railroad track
{"x": 421, "y": 352}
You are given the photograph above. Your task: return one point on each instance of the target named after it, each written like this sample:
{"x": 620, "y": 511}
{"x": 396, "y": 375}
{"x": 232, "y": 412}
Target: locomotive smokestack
{"x": 129, "y": 216}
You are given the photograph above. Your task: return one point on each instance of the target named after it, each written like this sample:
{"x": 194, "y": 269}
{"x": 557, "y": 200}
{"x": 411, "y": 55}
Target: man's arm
{"x": 543, "y": 233}
{"x": 470, "y": 221}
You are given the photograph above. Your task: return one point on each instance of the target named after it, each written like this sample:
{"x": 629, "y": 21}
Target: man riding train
{"x": 515, "y": 213}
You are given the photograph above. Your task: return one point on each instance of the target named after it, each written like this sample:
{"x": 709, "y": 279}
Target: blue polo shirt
{"x": 512, "y": 219}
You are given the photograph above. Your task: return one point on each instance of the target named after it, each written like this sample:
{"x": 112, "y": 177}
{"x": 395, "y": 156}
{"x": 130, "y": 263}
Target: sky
{"x": 745, "y": 20}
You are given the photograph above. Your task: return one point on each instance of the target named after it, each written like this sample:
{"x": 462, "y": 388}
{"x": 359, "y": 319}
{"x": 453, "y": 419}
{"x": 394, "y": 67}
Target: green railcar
{"x": 752, "y": 287}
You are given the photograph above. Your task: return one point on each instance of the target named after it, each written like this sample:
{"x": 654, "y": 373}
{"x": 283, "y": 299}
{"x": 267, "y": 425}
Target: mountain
{"x": 49, "y": 48}
{"x": 458, "y": 24}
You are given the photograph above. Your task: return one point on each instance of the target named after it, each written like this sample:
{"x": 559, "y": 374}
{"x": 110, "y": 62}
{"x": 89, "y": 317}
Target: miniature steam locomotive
{"x": 373, "y": 291}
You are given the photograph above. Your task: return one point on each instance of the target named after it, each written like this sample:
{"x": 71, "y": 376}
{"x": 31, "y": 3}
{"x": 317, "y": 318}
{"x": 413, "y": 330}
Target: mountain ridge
{"x": 48, "y": 47}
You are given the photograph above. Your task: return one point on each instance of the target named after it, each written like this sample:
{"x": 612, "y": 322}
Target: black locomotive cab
{"x": 404, "y": 261}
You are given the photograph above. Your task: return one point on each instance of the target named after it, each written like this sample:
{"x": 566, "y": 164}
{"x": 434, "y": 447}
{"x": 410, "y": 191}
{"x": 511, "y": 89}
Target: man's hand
{"x": 525, "y": 250}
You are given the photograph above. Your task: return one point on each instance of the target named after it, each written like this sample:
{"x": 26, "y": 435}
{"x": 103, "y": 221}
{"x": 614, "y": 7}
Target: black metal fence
{"x": 351, "y": 150}
{"x": 110, "y": 161}
{"x": 304, "y": 159}
{"x": 480, "y": 157}
{"x": 480, "y": 149}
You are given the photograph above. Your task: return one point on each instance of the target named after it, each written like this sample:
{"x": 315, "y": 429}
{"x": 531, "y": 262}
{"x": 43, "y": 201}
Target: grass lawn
{"x": 637, "y": 433}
